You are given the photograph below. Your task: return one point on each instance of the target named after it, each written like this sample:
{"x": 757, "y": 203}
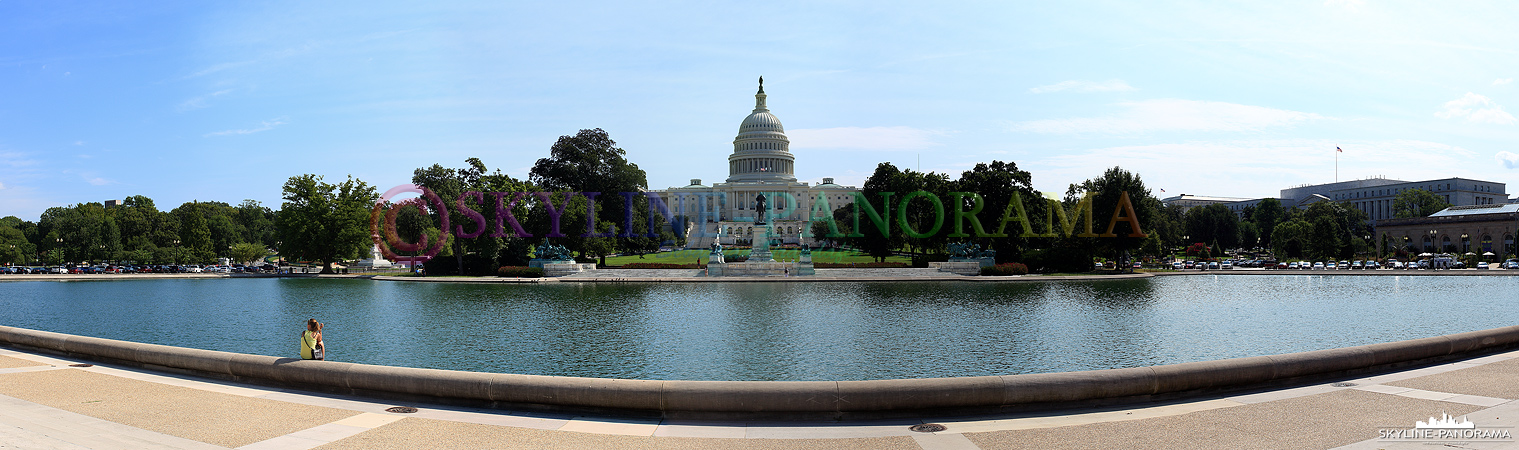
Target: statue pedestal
{"x": 761, "y": 249}
{"x": 536, "y": 262}
{"x": 985, "y": 261}
{"x": 967, "y": 268}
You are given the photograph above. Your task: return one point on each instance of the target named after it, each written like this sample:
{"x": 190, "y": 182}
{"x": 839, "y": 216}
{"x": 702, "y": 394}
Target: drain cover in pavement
{"x": 81, "y": 365}
{"x": 927, "y": 428}
{"x": 1343, "y": 384}
{"x": 402, "y": 409}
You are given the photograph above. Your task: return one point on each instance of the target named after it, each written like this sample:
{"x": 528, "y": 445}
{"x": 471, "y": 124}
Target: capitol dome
{"x": 761, "y": 121}
{"x": 761, "y": 152}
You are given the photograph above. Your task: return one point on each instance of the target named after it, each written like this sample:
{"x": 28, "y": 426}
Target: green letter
{"x": 938, "y": 214}
{"x": 1124, "y": 207}
{"x": 1069, "y": 225}
{"x": 961, "y": 214}
{"x": 1015, "y": 203}
{"x": 883, "y": 224}
{"x": 825, "y": 216}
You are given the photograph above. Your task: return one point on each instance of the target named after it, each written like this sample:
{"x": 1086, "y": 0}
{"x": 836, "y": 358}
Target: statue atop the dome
{"x": 762, "y": 83}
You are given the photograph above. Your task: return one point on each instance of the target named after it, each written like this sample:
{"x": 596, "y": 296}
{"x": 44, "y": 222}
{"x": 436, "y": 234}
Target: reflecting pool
{"x": 772, "y": 331}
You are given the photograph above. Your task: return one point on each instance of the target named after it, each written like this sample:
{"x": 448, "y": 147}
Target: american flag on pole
{"x": 1338, "y": 150}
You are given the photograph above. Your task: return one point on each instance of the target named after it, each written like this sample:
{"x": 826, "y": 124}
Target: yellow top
{"x": 308, "y": 342}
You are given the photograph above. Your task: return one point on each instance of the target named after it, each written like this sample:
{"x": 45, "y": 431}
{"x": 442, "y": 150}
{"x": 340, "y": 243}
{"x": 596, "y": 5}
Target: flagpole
{"x": 1337, "y": 164}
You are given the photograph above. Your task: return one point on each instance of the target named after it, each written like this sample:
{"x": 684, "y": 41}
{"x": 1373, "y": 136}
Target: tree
{"x": 1249, "y": 234}
{"x": 1327, "y": 237}
{"x": 1267, "y": 214}
{"x": 1153, "y": 246}
{"x": 248, "y": 252}
{"x": 14, "y": 248}
{"x": 1109, "y": 190}
{"x": 194, "y": 233}
{"x": 257, "y": 223}
{"x": 868, "y": 236}
{"x": 590, "y": 161}
{"x": 1289, "y": 239}
{"x": 1417, "y": 203}
{"x": 996, "y": 183}
{"x": 324, "y": 222}
{"x": 1337, "y": 226}
{"x": 1213, "y": 223}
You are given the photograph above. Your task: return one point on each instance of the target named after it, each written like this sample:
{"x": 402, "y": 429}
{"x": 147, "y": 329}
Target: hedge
{"x": 1005, "y": 269}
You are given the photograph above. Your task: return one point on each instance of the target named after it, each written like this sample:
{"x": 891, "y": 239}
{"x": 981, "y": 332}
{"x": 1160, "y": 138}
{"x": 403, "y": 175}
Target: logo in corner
{"x": 386, "y": 237}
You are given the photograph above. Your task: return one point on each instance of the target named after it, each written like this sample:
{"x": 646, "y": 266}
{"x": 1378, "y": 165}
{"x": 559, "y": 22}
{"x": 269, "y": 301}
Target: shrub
{"x": 1005, "y": 269}
{"x": 520, "y": 272}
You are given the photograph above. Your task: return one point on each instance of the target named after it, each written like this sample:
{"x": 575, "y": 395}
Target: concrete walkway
{"x": 46, "y": 402}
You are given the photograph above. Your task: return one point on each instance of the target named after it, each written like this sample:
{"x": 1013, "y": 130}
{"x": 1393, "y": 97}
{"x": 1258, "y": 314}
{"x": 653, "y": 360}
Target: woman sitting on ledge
{"x": 311, "y": 341}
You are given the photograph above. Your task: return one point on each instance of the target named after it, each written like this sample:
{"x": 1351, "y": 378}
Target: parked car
{"x": 1213, "y": 265}
{"x": 1177, "y": 265}
{"x": 1226, "y": 265}
{"x": 1320, "y": 266}
{"x": 1511, "y": 264}
{"x": 1482, "y": 265}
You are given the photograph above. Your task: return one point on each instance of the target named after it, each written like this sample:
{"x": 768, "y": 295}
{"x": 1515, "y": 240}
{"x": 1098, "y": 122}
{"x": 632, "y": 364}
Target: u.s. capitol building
{"x": 761, "y": 163}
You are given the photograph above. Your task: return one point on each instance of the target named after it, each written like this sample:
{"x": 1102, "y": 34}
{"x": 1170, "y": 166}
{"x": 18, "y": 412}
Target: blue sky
{"x": 225, "y": 101}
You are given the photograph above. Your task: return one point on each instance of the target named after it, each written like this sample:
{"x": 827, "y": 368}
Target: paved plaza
{"x": 48, "y": 402}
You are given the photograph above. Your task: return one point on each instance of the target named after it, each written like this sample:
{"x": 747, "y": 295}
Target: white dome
{"x": 761, "y": 121}
{"x": 761, "y": 151}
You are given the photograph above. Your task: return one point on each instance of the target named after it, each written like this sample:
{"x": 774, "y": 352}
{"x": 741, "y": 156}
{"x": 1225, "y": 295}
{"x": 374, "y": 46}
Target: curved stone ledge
{"x": 776, "y": 399}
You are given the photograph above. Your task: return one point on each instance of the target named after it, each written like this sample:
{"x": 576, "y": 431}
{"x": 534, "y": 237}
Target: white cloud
{"x": 1083, "y": 86}
{"x": 1173, "y": 115}
{"x": 200, "y": 101}
{"x": 1509, "y": 159}
{"x": 864, "y": 138}
{"x": 2, "y": 185}
{"x": 267, "y": 125}
{"x": 1502, "y": 81}
{"x": 97, "y": 181}
{"x": 1476, "y": 108}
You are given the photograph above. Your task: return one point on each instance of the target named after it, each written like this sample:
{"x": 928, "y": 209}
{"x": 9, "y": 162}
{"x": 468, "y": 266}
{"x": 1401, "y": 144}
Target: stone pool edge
{"x": 804, "y": 279}
{"x": 778, "y": 400}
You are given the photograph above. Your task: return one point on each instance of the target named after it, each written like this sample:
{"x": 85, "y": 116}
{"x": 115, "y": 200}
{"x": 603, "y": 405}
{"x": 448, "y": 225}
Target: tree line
{"x": 327, "y": 222}
{"x": 136, "y": 230}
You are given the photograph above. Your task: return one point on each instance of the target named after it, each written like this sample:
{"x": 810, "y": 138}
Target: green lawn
{"x": 691, "y": 256}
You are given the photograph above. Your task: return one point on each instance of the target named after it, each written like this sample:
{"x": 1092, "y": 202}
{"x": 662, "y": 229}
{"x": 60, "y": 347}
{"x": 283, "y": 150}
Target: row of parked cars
{"x": 1391, "y": 264}
{"x": 134, "y": 268}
